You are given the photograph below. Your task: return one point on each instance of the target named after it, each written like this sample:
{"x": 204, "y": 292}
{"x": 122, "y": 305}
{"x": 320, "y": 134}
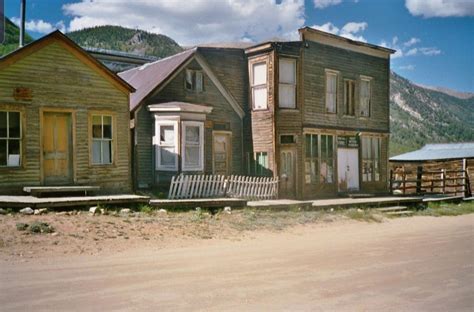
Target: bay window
{"x": 259, "y": 86}
{"x": 10, "y": 139}
{"x": 287, "y": 83}
{"x": 193, "y": 146}
{"x": 102, "y": 138}
{"x": 166, "y": 141}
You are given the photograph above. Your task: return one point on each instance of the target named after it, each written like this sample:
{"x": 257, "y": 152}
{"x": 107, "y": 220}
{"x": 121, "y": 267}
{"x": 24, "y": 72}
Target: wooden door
{"x": 222, "y": 148}
{"x": 57, "y": 155}
{"x": 348, "y": 169}
{"x": 287, "y": 173}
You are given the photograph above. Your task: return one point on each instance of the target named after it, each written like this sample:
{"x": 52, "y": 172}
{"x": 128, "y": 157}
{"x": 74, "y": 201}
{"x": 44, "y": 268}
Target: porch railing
{"x": 208, "y": 186}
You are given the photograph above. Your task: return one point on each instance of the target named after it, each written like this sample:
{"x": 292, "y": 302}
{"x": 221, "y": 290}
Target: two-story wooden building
{"x": 314, "y": 112}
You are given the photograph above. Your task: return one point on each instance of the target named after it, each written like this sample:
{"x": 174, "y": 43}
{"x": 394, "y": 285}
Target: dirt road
{"x": 407, "y": 264}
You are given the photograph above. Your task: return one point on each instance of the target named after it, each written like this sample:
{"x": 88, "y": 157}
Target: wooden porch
{"x": 33, "y": 202}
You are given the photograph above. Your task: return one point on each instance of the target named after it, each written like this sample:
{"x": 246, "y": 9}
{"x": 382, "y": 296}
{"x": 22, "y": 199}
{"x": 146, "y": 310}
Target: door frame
{"x": 224, "y": 132}
{"x": 72, "y": 113}
{"x": 294, "y": 151}
{"x": 357, "y": 171}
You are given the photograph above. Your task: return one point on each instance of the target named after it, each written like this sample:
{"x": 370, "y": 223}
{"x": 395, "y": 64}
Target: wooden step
{"x": 399, "y": 213}
{"x": 360, "y": 195}
{"x": 391, "y": 209}
{"x": 39, "y": 190}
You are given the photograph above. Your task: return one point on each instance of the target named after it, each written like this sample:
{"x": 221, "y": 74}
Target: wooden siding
{"x": 317, "y": 58}
{"x": 60, "y": 81}
{"x": 175, "y": 91}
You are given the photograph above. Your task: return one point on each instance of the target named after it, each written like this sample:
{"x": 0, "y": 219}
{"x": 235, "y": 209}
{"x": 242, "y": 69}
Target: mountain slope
{"x": 126, "y": 40}
{"x": 420, "y": 115}
{"x": 12, "y": 35}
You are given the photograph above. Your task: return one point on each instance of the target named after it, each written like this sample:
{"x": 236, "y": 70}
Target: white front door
{"x": 348, "y": 169}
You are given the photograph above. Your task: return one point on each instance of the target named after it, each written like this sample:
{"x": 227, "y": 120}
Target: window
{"x": 166, "y": 141}
{"x": 327, "y": 159}
{"x": 261, "y": 164}
{"x": 102, "y": 139}
{"x": 331, "y": 92}
{"x": 287, "y": 139}
{"x": 370, "y": 159}
{"x": 194, "y": 80}
{"x": 365, "y": 97}
{"x": 10, "y": 139}
{"x": 311, "y": 158}
{"x": 287, "y": 87}
{"x": 349, "y": 97}
{"x": 259, "y": 85}
{"x": 193, "y": 146}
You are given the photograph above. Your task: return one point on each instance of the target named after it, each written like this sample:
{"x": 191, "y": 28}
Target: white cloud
{"x": 321, "y": 4}
{"x": 393, "y": 45}
{"x": 40, "y": 26}
{"x": 411, "y": 42}
{"x": 407, "y": 67}
{"x": 194, "y": 21}
{"x": 350, "y": 30}
{"x": 430, "y": 51}
{"x": 410, "y": 52}
{"x": 440, "y": 8}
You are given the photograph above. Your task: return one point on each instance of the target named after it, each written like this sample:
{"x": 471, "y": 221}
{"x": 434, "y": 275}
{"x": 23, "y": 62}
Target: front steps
{"x": 395, "y": 211}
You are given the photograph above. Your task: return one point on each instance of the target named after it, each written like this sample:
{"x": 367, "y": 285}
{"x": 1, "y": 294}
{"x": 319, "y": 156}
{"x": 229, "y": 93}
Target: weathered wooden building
{"x": 435, "y": 168}
{"x": 314, "y": 112}
{"x": 64, "y": 119}
{"x": 184, "y": 118}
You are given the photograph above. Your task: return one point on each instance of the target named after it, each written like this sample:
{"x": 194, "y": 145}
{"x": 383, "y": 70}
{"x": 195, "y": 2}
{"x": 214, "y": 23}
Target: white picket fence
{"x": 208, "y": 186}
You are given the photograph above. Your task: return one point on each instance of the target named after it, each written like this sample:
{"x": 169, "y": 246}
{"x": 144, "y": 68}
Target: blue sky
{"x": 433, "y": 38}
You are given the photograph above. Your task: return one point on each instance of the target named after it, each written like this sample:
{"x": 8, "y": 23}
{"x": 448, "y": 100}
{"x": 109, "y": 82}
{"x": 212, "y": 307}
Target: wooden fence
{"x": 208, "y": 186}
{"x": 451, "y": 182}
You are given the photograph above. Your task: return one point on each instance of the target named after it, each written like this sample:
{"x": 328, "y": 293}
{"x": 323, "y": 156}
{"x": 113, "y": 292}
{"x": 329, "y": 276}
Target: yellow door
{"x": 57, "y": 164}
{"x": 221, "y": 150}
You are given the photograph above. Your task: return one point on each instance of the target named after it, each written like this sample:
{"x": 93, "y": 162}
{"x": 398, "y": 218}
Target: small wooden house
{"x": 64, "y": 119}
{"x": 435, "y": 168}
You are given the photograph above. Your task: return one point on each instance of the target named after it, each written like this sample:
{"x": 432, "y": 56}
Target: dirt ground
{"x": 240, "y": 261}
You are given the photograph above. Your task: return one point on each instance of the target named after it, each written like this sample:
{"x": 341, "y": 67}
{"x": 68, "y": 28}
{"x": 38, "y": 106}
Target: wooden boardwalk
{"x": 51, "y": 202}
{"x": 198, "y": 202}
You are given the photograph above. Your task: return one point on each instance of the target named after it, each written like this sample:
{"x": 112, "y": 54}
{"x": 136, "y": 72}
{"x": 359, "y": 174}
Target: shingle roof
{"x": 438, "y": 152}
{"x": 148, "y": 77}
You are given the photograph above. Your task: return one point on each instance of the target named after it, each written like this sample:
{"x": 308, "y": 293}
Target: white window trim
{"x": 8, "y": 138}
{"x": 260, "y": 86}
{"x": 157, "y": 143}
{"x": 102, "y": 139}
{"x": 199, "y": 124}
{"x": 369, "y": 112}
{"x": 292, "y": 60}
{"x": 335, "y": 73}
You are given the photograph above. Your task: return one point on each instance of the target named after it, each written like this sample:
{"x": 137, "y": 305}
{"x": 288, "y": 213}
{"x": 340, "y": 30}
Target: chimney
{"x": 22, "y": 22}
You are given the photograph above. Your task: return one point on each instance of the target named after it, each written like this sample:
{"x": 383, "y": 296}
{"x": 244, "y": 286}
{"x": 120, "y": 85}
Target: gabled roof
{"x": 71, "y": 46}
{"x": 438, "y": 152}
{"x": 150, "y": 76}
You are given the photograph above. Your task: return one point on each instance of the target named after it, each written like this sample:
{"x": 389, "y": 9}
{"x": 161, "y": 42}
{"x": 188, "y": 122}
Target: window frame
{"x": 200, "y": 125}
{"x": 293, "y": 85}
{"x": 312, "y": 158}
{"x": 371, "y": 159}
{"x": 194, "y": 86}
{"x": 112, "y": 139}
{"x": 368, "y": 114}
{"x": 264, "y": 168}
{"x": 254, "y": 86}
{"x": 328, "y": 73}
{"x": 7, "y": 138}
{"x": 347, "y": 112}
{"x": 157, "y": 143}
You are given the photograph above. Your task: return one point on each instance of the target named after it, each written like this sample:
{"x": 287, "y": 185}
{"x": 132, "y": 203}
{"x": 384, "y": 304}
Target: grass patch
{"x": 439, "y": 209}
{"x": 366, "y": 215}
{"x": 144, "y": 208}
